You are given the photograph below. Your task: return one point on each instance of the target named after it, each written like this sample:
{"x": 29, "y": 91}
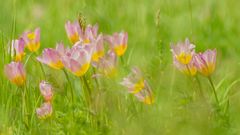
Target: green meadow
{"x": 152, "y": 25}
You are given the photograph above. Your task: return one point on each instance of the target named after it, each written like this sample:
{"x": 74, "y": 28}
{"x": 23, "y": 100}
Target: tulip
{"x": 53, "y": 57}
{"x": 107, "y": 64}
{"x": 15, "y": 73}
{"x": 183, "y": 52}
{"x": 90, "y": 34}
{"x": 44, "y": 111}
{"x": 189, "y": 69}
{"x": 74, "y": 31}
{"x": 46, "y": 91}
{"x": 98, "y": 51}
{"x": 18, "y": 46}
{"x": 138, "y": 86}
{"x": 32, "y": 39}
{"x": 118, "y": 42}
{"x": 77, "y": 59}
{"x": 205, "y": 62}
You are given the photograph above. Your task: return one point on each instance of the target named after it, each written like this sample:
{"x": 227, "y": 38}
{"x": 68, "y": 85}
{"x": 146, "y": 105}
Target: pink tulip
{"x": 107, "y": 65}
{"x": 44, "y": 111}
{"x": 90, "y": 34}
{"x": 46, "y": 90}
{"x": 138, "y": 86}
{"x": 98, "y": 50}
{"x": 205, "y": 62}
{"x": 32, "y": 39}
{"x": 15, "y": 73}
{"x": 74, "y": 31}
{"x": 183, "y": 52}
{"x": 53, "y": 57}
{"x": 18, "y": 46}
{"x": 118, "y": 42}
{"x": 77, "y": 59}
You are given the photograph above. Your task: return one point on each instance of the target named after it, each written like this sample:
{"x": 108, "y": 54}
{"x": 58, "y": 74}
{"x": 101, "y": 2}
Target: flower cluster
{"x": 189, "y": 62}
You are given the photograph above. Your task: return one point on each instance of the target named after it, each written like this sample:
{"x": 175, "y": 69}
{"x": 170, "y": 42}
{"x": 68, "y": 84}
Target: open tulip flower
{"x": 53, "y": 57}
{"x": 183, "y": 52}
{"x": 74, "y": 31}
{"x": 44, "y": 111}
{"x": 206, "y": 61}
{"x": 15, "y": 73}
{"x": 46, "y": 91}
{"x": 118, "y": 42}
{"x": 138, "y": 86}
{"x": 98, "y": 50}
{"x": 77, "y": 60}
{"x": 107, "y": 64}
{"x": 189, "y": 69}
{"x": 18, "y": 46}
{"x": 32, "y": 39}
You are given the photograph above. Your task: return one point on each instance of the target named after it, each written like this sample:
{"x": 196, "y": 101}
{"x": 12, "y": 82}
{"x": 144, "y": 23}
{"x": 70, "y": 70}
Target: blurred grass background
{"x": 152, "y": 25}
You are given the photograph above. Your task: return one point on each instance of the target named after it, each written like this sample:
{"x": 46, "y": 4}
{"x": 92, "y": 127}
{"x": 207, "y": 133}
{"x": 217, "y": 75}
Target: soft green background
{"x": 152, "y": 25}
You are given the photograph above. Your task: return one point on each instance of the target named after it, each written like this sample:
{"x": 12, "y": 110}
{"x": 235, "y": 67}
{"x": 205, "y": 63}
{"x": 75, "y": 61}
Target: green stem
{"x": 86, "y": 92}
{"x": 68, "y": 79}
{"x": 214, "y": 90}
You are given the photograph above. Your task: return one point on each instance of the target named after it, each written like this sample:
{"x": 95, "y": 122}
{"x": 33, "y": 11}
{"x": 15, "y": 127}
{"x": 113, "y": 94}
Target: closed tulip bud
{"x": 46, "y": 91}
{"x": 15, "y": 73}
{"x": 44, "y": 111}
{"x": 206, "y": 62}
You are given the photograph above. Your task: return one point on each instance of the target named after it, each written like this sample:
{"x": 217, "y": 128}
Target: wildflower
{"x": 107, "y": 64}
{"x": 32, "y": 39}
{"x": 53, "y": 57}
{"x": 15, "y": 73}
{"x": 98, "y": 51}
{"x": 44, "y": 111}
{"x": 90, "y": 34}
{"x": 118, "y": 42}
{"x": 206, "y": 61}
{"x": 18, "y": 46}
{"x": 46, "y": 90}
{"x": 77, "y": 59}
{"x": 189, "y": 69}
{"x": 138, "y": 86}
{"x": 74, "y": 31}
{"x": 183, "y": 52}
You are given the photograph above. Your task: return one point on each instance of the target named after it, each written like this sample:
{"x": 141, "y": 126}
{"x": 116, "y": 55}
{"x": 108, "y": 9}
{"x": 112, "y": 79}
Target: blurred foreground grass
{"x": 152, "y": 25}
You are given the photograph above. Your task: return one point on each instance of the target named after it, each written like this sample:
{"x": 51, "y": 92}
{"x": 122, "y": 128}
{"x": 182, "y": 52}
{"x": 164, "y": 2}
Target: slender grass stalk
{"x": 214, "y": 90}
{"x": 70, "y": 84}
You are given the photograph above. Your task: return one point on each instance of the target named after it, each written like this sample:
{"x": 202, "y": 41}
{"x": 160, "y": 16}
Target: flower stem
{"x": 214, "y": 90}
{"x": 70, "y": 84}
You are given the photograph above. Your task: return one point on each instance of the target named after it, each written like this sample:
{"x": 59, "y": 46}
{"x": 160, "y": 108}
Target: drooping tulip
{"x": 206, "y": 62}
{"x": 138, "y": 86}
{"x": 18, "y": 46}
{"x": 77, "y": 60}
{"x": 44, "y": 111}
{"x": 74, "y": 31}
{"x": 53, "y": 57}
{"x": 32, "y": 39}
{"x": 98, "y": 50}
{"x": 118, "y": 42}
{"x": 183, "y": 52}
{"x": 15, "y": 73}
{"x": 46, "y": 90}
